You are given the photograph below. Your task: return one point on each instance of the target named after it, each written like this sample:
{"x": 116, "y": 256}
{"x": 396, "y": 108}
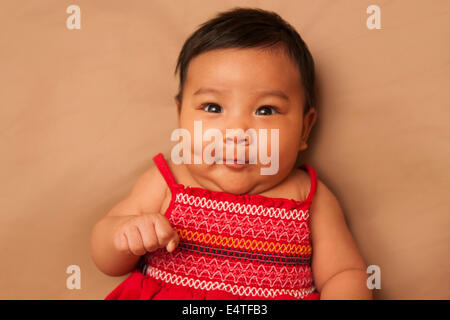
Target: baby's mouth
{"x": 234, "y": 161}
{"x": 233, "y": 164}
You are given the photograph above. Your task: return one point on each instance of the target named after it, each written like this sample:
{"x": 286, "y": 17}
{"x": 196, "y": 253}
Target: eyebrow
{"x": 276, "y": 93}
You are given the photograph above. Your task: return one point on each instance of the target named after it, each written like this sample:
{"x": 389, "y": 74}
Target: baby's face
{"x": 226, "y": 89}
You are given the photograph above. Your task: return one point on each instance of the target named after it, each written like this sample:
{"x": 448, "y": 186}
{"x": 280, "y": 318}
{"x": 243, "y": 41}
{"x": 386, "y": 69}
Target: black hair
{"x": 249, "y": 28}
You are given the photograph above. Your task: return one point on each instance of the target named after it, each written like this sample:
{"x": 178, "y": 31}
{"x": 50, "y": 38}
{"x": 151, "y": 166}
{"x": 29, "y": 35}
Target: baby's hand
{"x": 145, "y": 233}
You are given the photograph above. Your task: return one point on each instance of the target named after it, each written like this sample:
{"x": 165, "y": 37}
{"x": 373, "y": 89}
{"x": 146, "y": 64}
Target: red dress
{"x": 232, "y": 247}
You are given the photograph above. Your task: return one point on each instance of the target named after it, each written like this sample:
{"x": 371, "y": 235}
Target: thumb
{"x": 172, "y": 244}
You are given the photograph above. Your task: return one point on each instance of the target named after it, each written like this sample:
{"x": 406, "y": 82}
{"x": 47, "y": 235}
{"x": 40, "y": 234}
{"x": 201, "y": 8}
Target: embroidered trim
{"x": 240, "y": 226}
{"x": 247, "y": 244}
{"x": 235, "y": 289}
{"x": 243, "y": 255}
{"x": 242, "y": 208}
{"x": 231, "y": 271}
{"x": 228, "y": 270}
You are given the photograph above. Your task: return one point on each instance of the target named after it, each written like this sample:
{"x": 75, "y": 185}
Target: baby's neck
{"x": 287, "y": 186}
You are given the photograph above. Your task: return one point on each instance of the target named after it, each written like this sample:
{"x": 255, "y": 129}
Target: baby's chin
{"x": 234, "y": 188}
{"x": 236, "y": 180}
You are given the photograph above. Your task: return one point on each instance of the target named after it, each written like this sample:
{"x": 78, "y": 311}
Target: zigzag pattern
{"x": 280, "y": 213}
{"x": 235, "y": 289}
{"x": 243, "y": 254}
{"x": 245, "y": 244}
{"x": 234, "y": 272}
{"x": 244, "y": 227}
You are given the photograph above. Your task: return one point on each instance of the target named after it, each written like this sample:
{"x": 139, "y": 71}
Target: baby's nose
{"x": 241, "y": 139}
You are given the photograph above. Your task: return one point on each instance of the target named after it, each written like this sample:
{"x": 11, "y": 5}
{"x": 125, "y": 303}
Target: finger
{"x": 164, "y": 231}
{"x": 121, "y": 243}
{"x": 173, "y": 244}
{"x": 149, "y": 238}
{"x": 135, "y": 242}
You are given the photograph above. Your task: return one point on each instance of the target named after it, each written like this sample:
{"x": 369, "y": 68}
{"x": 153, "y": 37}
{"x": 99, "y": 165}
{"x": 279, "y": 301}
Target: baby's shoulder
{"x": 303, "y": 181}
{"x": 149, "y": 190}
{"x": 296, "y": 186}
{"x": 323, "y": 195}
{"x": 325, "y": 205}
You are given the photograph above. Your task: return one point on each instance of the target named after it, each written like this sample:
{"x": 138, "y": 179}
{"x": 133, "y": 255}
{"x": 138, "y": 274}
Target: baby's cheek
{"x": 288, "y": 152}
{"x": 288, "y": 142}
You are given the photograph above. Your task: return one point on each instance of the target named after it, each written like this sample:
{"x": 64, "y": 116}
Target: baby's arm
{"x": 338, "y": 268}
{"x": 133, "y": 227}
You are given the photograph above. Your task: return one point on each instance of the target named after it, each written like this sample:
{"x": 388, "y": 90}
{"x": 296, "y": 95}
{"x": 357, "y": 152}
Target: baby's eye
{"x": 266, "y": 111}
{"x": 212, "y": 107}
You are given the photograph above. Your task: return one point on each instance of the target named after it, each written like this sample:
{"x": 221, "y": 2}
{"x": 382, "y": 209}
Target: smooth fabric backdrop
{"x": 82, "y": 112}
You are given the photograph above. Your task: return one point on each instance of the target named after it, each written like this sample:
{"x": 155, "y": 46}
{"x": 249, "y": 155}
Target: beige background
{"x": 82, "y": 112}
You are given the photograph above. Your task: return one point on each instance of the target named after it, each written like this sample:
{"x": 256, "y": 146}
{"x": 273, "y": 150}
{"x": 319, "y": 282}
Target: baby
{"x": 221, "y": 229}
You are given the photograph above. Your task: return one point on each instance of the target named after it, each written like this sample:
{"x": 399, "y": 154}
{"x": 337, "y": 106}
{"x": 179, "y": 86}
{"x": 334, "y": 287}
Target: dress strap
{"x": 163, "y": 167}
{"x": 313, "y": 178}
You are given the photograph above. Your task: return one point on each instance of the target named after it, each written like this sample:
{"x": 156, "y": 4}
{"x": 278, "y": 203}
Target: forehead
{"x": 244, "y": 69}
